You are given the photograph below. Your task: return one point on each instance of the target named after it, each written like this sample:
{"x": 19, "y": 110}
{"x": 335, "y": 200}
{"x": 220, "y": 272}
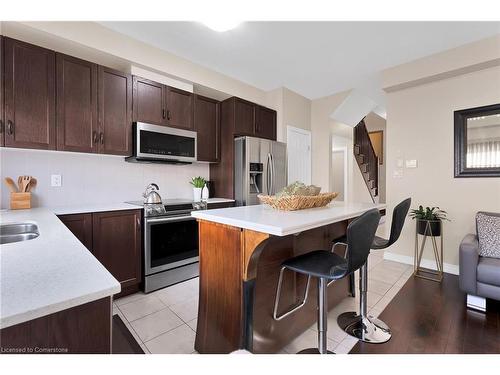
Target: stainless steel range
{"x": 170, "y": 242}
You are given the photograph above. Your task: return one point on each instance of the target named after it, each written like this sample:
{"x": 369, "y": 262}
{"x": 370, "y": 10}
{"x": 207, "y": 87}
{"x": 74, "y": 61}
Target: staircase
{"x": 366, "y": 159}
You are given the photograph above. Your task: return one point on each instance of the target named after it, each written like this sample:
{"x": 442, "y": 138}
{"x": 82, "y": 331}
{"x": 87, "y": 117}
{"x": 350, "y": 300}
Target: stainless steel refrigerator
{"x": 260, "y": 167}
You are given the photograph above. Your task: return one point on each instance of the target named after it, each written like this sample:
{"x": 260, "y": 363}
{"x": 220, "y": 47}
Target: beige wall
{"x": 420, "y": 126}
{"x": 450, "y": 63}
{"x": 321, "y": 130}
{"x": 293, "y": 110}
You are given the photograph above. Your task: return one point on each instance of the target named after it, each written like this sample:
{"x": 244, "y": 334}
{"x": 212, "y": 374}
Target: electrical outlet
{"x": 411, "y": 163}
{"x": 55, "y": 180}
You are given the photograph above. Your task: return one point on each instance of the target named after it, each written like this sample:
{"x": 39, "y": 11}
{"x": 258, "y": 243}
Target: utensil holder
{"x": 20, "y": 201}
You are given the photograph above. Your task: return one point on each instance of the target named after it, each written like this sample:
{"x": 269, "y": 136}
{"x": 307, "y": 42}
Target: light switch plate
{"x": 398, "y": 173}
{"x": 55, "y": 180}
{"x": 400, "y": 163}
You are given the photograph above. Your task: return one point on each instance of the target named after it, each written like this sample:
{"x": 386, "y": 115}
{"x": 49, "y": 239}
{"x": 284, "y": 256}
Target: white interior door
{"x": 299, "y": 155}
{"x": 339, "y": 173}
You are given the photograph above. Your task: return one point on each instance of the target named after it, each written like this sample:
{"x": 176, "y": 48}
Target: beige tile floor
{"x": 165, "y": 321}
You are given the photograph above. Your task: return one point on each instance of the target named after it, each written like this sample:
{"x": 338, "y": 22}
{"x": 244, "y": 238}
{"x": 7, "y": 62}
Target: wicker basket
{"x": 297, "y": 202}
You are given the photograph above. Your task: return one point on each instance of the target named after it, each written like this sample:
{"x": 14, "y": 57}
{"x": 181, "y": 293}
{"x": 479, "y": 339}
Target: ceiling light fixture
{"x": 221, "y": 25}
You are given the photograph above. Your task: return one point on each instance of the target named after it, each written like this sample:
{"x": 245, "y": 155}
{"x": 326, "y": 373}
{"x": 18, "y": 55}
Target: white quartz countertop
{"x": 50, "y": 273}
{"x": 103, "y": 207}
{"x": 262, "y": 218}
{"x": 88, "y": 208}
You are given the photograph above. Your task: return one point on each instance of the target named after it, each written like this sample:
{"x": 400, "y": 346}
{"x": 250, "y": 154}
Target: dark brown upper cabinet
{"x": 244, "y": 117}
{"x": 250, "y": 119}
{"x": 155, "y": 103}
{"x": 179, "y": 104}
{"x": 30, "y": 96}
{"x": 77, "y": 127}
{"x": 114, "y": 112}
{"x": 149, "y": 102}
{"x": 265, "y": 122}
{"x": 2, "y": 123}
{"x": 206, "y": 124}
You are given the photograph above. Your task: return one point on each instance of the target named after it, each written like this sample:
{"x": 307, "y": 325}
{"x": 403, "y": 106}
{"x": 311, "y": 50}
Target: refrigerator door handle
{"x": 272, "y": 174}
{"x": 268, "y": 175}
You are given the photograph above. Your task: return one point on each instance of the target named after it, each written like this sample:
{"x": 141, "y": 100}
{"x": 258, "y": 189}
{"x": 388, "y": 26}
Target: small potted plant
{"x": 198, "y": 184}
{"x": 428, "y": 220}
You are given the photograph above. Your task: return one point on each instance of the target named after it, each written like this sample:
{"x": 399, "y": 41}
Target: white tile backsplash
{"x": 93, "y": 179}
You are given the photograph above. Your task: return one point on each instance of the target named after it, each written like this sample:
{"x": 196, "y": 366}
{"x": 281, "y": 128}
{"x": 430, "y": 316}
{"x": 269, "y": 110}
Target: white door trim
{"x": 344, "y": 151}
{"x": 307, "y": 133}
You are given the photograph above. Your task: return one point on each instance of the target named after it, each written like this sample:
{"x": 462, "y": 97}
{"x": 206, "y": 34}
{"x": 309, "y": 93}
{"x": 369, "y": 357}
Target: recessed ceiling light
{"x": 221, "y": 25}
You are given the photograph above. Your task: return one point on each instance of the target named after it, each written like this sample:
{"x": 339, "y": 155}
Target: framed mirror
{"x": 477, "y": 142}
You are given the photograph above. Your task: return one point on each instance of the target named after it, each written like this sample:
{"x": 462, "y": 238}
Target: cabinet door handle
{"x": 10, "y": 127}
{"x": 168, "y": 115}
{"x": 163, "y": 113}
{"x": 138, "y": 223}
{"x": 102, "y": 138}
{"x": 94, "y": 136}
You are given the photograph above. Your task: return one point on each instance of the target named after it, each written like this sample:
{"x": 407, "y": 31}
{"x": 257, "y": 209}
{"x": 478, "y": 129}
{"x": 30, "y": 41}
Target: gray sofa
{"x": 479, "y": 276}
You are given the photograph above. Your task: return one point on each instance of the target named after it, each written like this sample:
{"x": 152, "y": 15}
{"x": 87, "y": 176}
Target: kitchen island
{"x": 241, "y": 250}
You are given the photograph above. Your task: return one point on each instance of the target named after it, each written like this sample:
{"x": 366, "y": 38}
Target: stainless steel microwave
{"x": 162, "y": 144}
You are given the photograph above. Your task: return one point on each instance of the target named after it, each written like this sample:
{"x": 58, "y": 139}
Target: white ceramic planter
{"x": 197, "y": 194}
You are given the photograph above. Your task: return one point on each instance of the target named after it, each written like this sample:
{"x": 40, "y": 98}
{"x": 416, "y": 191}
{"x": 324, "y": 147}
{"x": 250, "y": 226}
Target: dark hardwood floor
{"x": 429, "y": 317}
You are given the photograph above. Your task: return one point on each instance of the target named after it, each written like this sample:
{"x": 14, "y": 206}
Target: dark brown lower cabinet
{"x": 84, "y": 329}
{"x": 117, "y": 244}
{"x": 81, "y": 226}
{"x": 114, "y": 238}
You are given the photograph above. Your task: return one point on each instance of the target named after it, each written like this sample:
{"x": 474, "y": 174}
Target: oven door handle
{"x": 169, "y": 219}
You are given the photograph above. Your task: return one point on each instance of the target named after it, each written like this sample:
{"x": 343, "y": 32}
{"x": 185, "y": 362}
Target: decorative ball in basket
{"x": 298, "y": 196}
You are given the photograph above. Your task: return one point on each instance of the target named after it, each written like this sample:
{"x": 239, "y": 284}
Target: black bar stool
{"x": 328, "y": 266}
{"x": 363, "y": 326}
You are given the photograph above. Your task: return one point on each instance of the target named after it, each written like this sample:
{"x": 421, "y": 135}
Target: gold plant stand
{"x": 418, "y": 270}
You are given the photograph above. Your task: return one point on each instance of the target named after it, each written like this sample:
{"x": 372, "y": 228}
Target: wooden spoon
{"x": 31, "y": 185}
{"x": 20, "y": 184}
{"x": 27, "y": 182}
{"x": 23, "y": 183}
{"x": 11, "y": 184}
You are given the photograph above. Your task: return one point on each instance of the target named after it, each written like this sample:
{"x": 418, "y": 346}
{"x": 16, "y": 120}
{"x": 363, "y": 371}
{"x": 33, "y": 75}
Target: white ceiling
{"x": 314, "y": 59}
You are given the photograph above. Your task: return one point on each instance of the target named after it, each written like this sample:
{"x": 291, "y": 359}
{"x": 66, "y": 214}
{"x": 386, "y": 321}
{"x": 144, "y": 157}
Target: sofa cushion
{"x": 488, "y": 233}
{"x": 488, "y": 271}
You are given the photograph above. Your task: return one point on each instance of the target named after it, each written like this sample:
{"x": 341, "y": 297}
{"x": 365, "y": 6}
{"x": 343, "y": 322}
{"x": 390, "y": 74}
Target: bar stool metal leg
{"x": 322, "y": 321}
{"x": 364, "y": 327}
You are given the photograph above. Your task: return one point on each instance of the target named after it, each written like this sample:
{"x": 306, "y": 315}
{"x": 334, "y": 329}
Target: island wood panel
{"x": 78, "y": 330}
{"x": 239, "y": 271}
{"x": 221, "y": 294}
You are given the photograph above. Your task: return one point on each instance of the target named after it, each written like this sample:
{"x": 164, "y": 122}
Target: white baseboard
{"x": 426, "y": 263}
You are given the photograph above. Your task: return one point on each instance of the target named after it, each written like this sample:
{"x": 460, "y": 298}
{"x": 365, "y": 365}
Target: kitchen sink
{"x": 18, "y": 232}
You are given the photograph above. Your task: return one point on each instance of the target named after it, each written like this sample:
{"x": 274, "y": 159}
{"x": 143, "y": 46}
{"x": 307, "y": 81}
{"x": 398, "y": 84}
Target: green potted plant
{"x": 198, "y": 184}
{"x": 428, "y": 220}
